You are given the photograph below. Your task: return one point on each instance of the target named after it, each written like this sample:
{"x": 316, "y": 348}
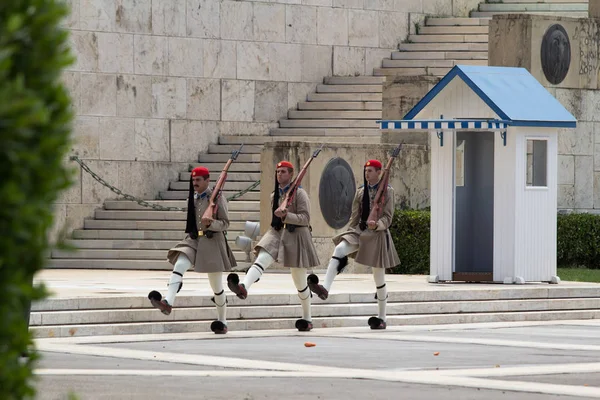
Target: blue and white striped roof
{"x": 512, "y": 93}
{"x": 431, "y": 124}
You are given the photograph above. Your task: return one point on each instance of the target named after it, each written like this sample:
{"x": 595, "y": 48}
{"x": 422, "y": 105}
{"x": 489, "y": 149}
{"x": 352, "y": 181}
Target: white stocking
{"x": 341, "y": 250}
{"x": 181, "y": 266}
{"x": 379, "y": 277}
{"x": 299, "y": 277}
{"x": 216, "y": 283}
{"x": 262, "y": 262}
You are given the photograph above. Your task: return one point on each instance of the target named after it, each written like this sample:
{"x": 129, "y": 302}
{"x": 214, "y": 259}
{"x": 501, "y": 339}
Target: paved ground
{"x": 543, "y": 360}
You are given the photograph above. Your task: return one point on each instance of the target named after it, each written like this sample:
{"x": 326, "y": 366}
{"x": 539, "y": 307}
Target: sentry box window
{"x": 537, "y": 163}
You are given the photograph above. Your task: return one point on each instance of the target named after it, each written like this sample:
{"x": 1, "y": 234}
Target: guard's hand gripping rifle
{"x": 211, "y": 211}
{"x": 291, "y": 193}
{"x": 379, "y": 199}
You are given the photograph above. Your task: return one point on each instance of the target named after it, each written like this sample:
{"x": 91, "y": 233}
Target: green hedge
{"x": 578, "y": 243}
{"x": 578, "y": 238}
{"x": 410, "y": 231}
{"x": 35, "y": 118}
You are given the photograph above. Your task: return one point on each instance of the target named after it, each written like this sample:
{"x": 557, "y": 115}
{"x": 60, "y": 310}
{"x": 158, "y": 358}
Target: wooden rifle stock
{"x": 212, "y": 209}
{"x": 379, "y": 200}
{"x": 289, "y": 197}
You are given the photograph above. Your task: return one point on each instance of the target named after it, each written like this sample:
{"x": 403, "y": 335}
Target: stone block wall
{"x": 156, "y": 81}
{"x": 578, "y": 92}
{"x": 579, "y": 151}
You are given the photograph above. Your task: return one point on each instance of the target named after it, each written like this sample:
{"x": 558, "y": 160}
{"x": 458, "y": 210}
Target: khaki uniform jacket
{"x": 207, "y": 255}
{"x": 376, "y": 247}
{"x": 292, "y": 249}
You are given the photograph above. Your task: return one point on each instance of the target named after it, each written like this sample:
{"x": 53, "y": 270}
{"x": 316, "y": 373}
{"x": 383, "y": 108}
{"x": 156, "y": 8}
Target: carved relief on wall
{"x": 336, "y": 192}
{"x": 556, "y": 54}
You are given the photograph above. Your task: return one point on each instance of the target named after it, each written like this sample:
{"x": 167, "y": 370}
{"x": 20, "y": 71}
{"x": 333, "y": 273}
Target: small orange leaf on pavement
{"x": 309, "y": 344}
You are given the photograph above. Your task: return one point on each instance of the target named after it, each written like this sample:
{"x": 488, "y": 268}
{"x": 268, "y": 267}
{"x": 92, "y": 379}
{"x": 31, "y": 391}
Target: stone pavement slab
{"x": 469, "y": 361}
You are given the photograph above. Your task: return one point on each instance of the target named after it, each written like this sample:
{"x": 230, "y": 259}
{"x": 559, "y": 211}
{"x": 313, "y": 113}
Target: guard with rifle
{"x": 289, "y": 240}
{"x": 205, "y": 246}
{"x": 368, "y": 239}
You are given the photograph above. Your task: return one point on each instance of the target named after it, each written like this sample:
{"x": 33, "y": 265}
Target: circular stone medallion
{"x": 556, "y": 54}
{"x": 336, "y": 192}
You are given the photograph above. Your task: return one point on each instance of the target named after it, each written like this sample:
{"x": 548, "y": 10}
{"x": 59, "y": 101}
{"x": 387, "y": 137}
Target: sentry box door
{"x": 473, "y": 206}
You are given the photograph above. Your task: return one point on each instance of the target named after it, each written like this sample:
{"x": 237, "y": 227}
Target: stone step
{"x": 530, "y": 1}
{"x": 331, "y": 135}
{"x": 442, "y": 293}
{"x": 403, "y": 71}
{"x": 341, "y": 105}
{"x": 183, "y": 194}
{"x": 147, "y": 225}
{"x": 327, "y": 123}
{"x": 109, "y": 234}
{"x": 443, "y": 47}
{"x": 119, "y": 244}
{"x": 132, "y": 205}
{"x": 359, "y": 97}
{"x": 277, "y": 134}
{"x": 349, "y": 88}
{"x": 66, "y": 263}
{"x": 223, "y": 158}
{"x": 288, "y": 323}
{"x": 154, "y": 215}
{"x": 235, "y": 167}
{"x": 570, "y": 14}
{"x": 456, "y": 21}
{"x": 246, "y": 178}
{"x": 120, "y": 254}
{"x": 566, "y": 8}
{"x": 387, "y": 63}
{"x": 122, "y": 244}
{"x": 228, "y": 148}
{"x": 149, "y": 265}
{"x": 292, "y": 114}
{"x": 231, "y": 186}
{"x": 440, "y": 55}
{"x": 448, "y": 38}
{"x": 454, "y": 30}
{"x": 329, "y": 309}
{"x": 410, "y": 64}
{"x": 353, "y": 80}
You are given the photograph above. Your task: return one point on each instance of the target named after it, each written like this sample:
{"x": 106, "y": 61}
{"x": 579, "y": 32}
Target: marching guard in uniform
{"x": 289, "y": 240}
{"x": 368, "y": 241}
{"x": 205, "y": 248}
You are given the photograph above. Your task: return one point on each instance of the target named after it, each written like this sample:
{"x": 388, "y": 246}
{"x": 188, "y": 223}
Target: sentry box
{"x": 493, "y": 134}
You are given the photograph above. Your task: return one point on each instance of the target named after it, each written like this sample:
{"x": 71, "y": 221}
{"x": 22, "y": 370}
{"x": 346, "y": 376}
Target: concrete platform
{"x": 100, "y": 302}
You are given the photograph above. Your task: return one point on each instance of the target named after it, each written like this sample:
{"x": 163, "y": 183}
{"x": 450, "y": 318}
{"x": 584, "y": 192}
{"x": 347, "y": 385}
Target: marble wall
{"x": 578, "y": 92}
{"x": 156, "y": 82}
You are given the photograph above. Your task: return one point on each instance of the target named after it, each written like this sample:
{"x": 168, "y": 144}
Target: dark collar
{"x": 374, "y": 187}
{"x": 202, "y": 195}
{"x": 284, "y": 190}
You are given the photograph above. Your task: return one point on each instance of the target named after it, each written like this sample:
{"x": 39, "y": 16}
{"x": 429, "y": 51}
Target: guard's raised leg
{"x": 337, "y": 264}
{"x": 175, "y": 283}
{"x": 262, "y": 262}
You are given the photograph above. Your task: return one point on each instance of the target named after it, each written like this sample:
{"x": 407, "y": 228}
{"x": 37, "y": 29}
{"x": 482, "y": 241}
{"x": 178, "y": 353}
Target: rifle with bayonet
{"x": 211, "y": 211}
{"x": 291, "y": 193}
{"x": 379, "y": 200}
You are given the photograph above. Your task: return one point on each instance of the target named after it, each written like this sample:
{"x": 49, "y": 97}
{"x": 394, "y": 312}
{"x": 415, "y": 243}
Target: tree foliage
{"x": 35, "y": 124}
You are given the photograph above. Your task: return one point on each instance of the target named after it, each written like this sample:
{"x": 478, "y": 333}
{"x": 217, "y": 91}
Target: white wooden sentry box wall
{"x": 514, "y": 105}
